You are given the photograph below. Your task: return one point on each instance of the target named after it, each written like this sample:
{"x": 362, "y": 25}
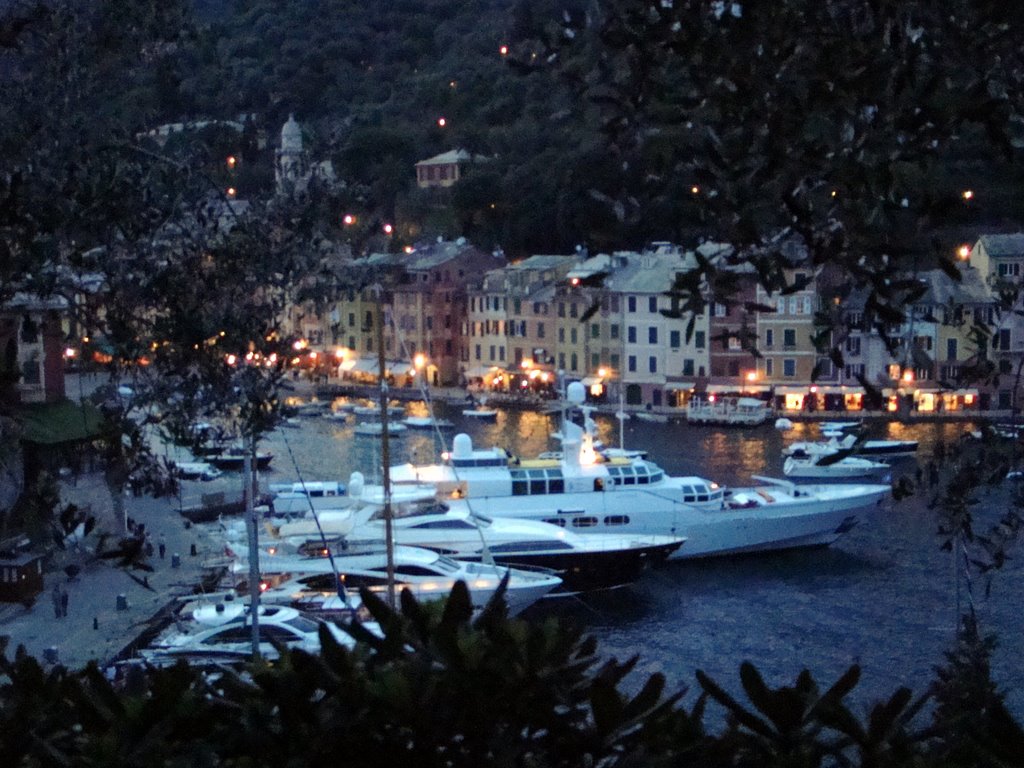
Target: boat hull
{"x": 590, "y": 571}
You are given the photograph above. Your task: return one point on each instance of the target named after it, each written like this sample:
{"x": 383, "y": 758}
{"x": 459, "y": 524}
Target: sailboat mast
{"x": 252, "y": 529}
{"x": 385, "y": 451}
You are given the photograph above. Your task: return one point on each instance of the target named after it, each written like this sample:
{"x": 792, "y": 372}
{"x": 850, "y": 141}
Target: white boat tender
{"x": 848, "y": 468}
{"x": 583, "y": 492}
{"x": 426, "y": 422}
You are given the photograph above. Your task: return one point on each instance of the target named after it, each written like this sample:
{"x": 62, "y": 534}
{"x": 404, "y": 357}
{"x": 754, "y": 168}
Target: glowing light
{"x": 388, "y": 229}
{"x": 231, "y": 161}
{"x": 602, "y": 372}
{"x": 231, "y": 191}
{"x": 752, "y": 376}
{"x": 419, "y": 360}
{"x": 834, "y": 192}
{"x": 574, "y": 281}
{"x": 967, "y": 194}
{"x": 70, "y": 352}
{"x": 451, "y": 84}
{"x": 299, "y": 344}
{"x": 441, "y": 122}
{"x": 408, "y": 249}
{"x": 526, "y": 363}
{"x": 231, "y": 359}
{"x": 695, "y": 189}
{"x": 964, "y": 251}
{"x": 348, "y": 220}
{"x": 340, "y": 352}
{"x": 503, "y": 50}
{"x": 313, "y": 355}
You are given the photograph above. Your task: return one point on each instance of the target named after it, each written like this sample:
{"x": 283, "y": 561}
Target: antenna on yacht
{"x": 621, "y": 416}
{"x": 249, "y": 491}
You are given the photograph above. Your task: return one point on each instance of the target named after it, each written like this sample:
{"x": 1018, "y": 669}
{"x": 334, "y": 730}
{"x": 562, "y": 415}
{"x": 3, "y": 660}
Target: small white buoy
{"x": 783, "y": 424}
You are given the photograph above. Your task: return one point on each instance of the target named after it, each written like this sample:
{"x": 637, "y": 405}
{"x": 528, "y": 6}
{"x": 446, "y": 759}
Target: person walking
{"x": 162, "y": 546}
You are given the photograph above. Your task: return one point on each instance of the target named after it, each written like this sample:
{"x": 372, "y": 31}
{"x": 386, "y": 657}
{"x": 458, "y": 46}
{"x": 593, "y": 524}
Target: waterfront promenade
{"x": 96, "y": 626}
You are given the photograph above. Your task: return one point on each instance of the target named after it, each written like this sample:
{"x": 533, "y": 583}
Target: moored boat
{"x": 426, "y": 574}
{"x": 846, "y": 469}
{"x": 728, "y": 411}
{"x": 889, "y": 449}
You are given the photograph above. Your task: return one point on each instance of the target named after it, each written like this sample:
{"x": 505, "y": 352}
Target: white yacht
{"x": 585, "y": 563}
{"x": 844, "y": 470}
{"x": 222, "y": 632}
{"x": 588, "y": 494}
{"x": 427, "y": 574}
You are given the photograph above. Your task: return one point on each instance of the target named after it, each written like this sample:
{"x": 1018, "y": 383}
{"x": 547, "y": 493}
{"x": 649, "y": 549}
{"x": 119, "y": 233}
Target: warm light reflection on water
{"x": 881, "y": 596}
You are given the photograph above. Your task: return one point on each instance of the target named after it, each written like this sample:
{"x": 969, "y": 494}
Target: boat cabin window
{"x": 617, "y": 520}
{"x": 537, "y": 481}
{"x": 584, "y": 522}
{"x": 414, "y": 509}
{"x": 240, "y": 633}
{"x": 414, "y": 570}
{"x": 637, "y": 473}
{"x": 302, "y": 624}
{"x": 272, "y": 632}
{"x": 446, "y": 564}
{"x": 529, "y": 546}
{"x": 559, "y": 521}
{"x": 480, "y": 461}
{"x": 448, "y": 524}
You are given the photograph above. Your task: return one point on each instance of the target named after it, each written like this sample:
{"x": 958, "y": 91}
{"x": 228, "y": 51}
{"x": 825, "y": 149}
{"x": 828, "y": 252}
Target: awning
{"x": 784, "y": 390}
{"x": 962, "y": 392}
{"x": 679, "y": 386}
{"x": 840, "y": 390}
{"x": 364, "y": 365}
{"x": 479, "y": 371}
{"x": 63, "y": 422}
{"x": 589, "y": 381}
{"x": 400, "y": 368}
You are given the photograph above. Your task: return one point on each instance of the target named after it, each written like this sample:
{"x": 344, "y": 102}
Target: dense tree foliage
{"x": 440, "y": 688}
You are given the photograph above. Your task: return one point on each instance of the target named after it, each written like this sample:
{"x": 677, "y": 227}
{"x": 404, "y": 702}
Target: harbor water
{"x": 885, "y": 596}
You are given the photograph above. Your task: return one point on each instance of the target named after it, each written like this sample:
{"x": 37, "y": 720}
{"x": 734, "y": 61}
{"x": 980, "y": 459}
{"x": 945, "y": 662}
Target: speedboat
{"x": 223, "y": 633}
{"x": 584, "y": 492}
{"x": 234, "y": 459}
{"x": 376, "y": 428}
{"x": 196, "y": 470}
{"x": 374, "y": 410}
{"x": 426, "y": 422}
{"x": 844, "y": 470}
{"x": 425, "y": 573}
{"x": 481, "y": 413}
{"x": 585, "y": 563}
{"x": 890, "y": 449}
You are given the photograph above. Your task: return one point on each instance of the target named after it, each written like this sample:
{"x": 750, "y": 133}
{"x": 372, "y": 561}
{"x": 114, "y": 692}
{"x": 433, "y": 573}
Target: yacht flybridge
{"x": 586, "y": 492}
